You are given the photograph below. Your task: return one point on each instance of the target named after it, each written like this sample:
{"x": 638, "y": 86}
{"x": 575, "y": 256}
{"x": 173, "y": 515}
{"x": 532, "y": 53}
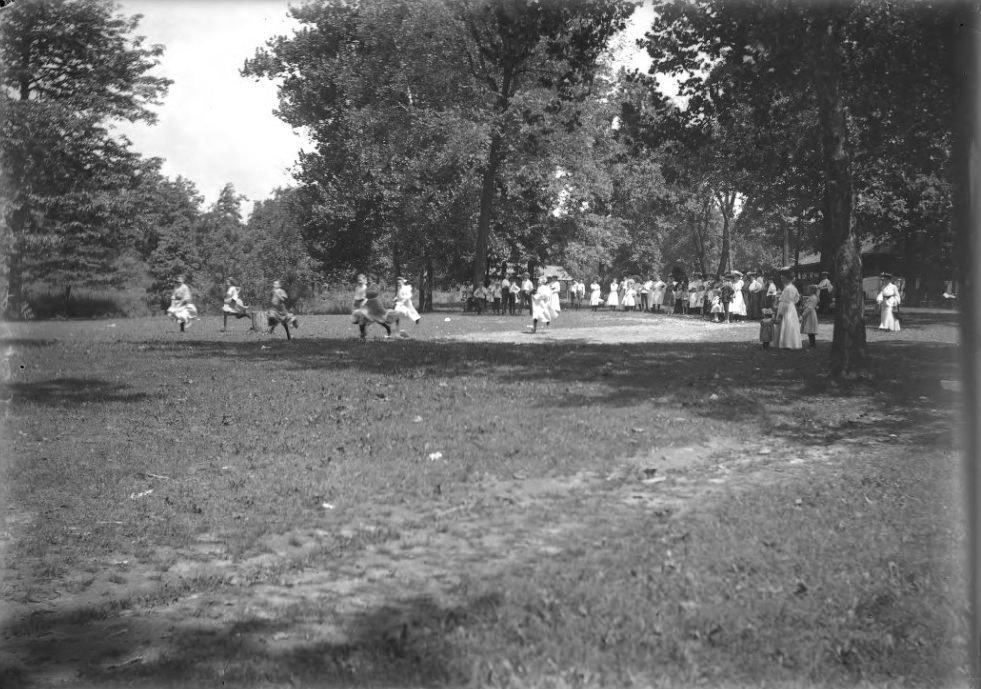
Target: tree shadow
{"x": 400, "y": 643}
{"x": 59, "y": 392}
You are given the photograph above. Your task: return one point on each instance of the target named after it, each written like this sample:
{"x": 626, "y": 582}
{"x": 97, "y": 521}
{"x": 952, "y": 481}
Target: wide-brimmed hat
{"x": 736, "y": 273}
{"x": 399, "y": 279}
{"x": 526, "y": 274}
{"x": 276, "y": 283}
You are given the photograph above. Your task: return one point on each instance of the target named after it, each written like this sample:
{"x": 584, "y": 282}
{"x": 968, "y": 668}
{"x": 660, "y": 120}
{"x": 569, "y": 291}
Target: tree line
{"x": 452, "y": 136}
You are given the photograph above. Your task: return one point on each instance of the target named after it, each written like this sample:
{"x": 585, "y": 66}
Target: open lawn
{"x": 621, "y": 500}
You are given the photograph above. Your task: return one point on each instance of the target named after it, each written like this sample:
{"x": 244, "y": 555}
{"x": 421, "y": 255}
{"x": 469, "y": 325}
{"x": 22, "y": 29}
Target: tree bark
{"x": 849, "y": 356}
{"x": 726, "y": 203}
{"x": 487, "y": 190}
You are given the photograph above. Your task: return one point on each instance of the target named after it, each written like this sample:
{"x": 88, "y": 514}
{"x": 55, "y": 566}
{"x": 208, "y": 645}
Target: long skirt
{"x": 789, "y": 331}
{"x": 889, "y": 320}
{"x": 406, "y": 309}
{"x": 279, "y": 315}
{"x": 184, "y": 313}
{"x": 234, "y": 307}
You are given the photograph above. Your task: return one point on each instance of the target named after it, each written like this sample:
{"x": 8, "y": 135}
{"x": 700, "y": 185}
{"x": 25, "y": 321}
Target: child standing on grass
{"x": 808, "y": 316}
{"x": 766, "y": 328}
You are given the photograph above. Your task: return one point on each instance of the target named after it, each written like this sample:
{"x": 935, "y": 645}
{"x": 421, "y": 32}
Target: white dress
{"x": 696, "y": 293}
{"x": 181, "y": 309}
{"x": 614, "y": 298}
{"x": 233, "y": 302}
{"x": 657, "y": 292}
{"x": 556, "y": 287}
{"x": 594, "y": 294}
{"x": 629, "y": 297}
{"x": 888, "y": 300}
{"x": 541, "y": 304}
{"x": 738, "y": 305}
{"x": 403, "y": 303}
{"x": 789, "y": 332}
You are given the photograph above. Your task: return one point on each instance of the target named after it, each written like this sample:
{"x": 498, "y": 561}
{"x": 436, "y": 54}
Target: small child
{"x": 716, "y": 309}
{"x": 766, "y": 328}
{"x": 808, "y": 316}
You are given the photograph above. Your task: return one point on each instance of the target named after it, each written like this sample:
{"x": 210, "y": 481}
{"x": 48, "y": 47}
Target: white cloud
{"x": 216, "y": 126}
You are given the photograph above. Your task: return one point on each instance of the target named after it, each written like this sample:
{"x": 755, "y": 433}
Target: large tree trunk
{"x": 966, "y": 167}
{"x": 848, "y": 347}
{"x": 726, "y": 203}
{"x": 487, "y": 190}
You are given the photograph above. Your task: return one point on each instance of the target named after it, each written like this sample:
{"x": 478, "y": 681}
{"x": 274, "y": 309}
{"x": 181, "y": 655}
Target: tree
{"x": 876, "y": 75}
{"x": 71, "y": 68}
{"x": 395, "y": 136}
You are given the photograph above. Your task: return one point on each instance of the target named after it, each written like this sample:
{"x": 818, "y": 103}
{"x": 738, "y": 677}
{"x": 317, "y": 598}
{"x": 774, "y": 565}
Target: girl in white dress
{"x": 809, "y": 316}
{"x": 541, "y": 305}
{"x": 403, "y": 303}
{"x": 594, "y": 294}
{"x": 788, "y": 336}
{"x": 888, "y": 300}
{"x": 181, "y": 309}
{"x": 629, "y": 296}
{"x": 613, "y": 300}
{"x": 233, "y": 305}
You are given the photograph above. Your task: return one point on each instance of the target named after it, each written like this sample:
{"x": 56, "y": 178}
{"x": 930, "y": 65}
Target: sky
{"x": 215, "y": 126}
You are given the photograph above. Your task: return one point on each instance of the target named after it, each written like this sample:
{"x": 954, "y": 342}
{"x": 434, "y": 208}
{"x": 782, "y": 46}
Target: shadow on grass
{"x": 403, "y": 643}
{"x": 69, "y": 391}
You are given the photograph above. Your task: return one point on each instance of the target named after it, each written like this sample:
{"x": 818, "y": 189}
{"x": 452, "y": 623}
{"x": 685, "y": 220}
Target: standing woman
{"x": 737, "y": 308}
{"x": 181, "y": 309}
{"x": 668, "y": 299}
{"x": 403, "y": 303}
{"x": 234, "y": 306}
{"x": 657, "y": 294}
{"x": 789, "y": 333}
{"x": 629, "y": 295}
{"x": 556, "y": 288}
{"x": 754, "y": 302}
{"x": 280, "y": 314}
{"x": 613, "y": 299}
{"x": 594, "y": 293}
{"x": 888, "y": 300}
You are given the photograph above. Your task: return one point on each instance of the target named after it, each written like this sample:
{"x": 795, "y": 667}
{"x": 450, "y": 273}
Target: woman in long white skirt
{"x": 403, "y": 303}
{"x": 556, "y": 288}
{"x": 657, "y": 294}
{"x": 789, "y": 334}
{"x": 737, "y": 307}
{"x": 181, "y": 309}
{"x": 595, "y": 299}
{"x": 888, "y": 300}
{"x": 613, "y": 300}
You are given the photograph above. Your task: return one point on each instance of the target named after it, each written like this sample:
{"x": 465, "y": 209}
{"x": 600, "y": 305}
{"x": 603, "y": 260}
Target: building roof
{"x": 557, "y": 271}
{"x": 867, "y": 246}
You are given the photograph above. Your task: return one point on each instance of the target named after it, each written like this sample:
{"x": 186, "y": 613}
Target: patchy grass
{"x": 625, "y": 500}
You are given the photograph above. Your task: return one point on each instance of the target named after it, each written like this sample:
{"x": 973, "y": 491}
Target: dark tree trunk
{"x": 849, "y": 356}
{"x": 426, "y": 287}
{"x": 966, "y": 166}
{"x": 726, "y": 203}
{"x": 487, "y": 190}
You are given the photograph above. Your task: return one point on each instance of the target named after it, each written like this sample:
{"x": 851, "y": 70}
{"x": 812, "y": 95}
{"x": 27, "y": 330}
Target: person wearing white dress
{"x": 788, "y": 336}
{"x": 595, "y": 296}
{"x": 541, "y": 305}
{"x": 657, "y": 294}
{"x": 737, "y": 307}
{"x": 629, "y": 296}
{"x": 556, "y": 288}
{"x": 613, "y": 299}
{"x": 888, "y": 300}
{"x": 233, "y": 305}
{"x": 403, "y": 303}
{"x": 181, "y": 309}
{"x": 696, "y": 293}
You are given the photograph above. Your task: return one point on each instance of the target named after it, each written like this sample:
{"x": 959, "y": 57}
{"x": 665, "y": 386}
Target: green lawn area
{"x": 622, "y": 500}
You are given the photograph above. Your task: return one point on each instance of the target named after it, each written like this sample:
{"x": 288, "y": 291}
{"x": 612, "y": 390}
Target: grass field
{"x": 622, "y": 500}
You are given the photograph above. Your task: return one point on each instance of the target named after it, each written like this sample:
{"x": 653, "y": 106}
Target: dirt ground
{"x": 503, "y": 521}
